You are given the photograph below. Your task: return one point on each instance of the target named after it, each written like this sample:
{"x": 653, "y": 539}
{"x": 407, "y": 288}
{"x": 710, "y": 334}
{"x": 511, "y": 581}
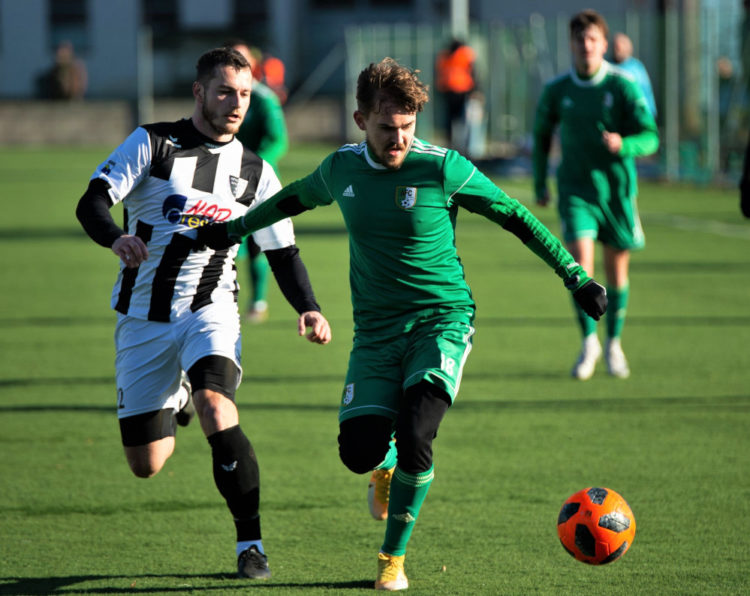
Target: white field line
{"x": 692, "y": 224}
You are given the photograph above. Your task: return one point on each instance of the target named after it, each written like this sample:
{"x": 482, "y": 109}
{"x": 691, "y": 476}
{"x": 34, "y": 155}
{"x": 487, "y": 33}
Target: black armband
{"x": 93, "y": 213}
{"x": 291, "y": 275}
{"x": 515, "y": 225}
{"x": 291, "y": 206}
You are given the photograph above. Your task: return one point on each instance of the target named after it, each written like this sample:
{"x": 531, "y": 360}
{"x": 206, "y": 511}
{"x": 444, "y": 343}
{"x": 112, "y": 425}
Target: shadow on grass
{"x": 218, "y": 583}
{"x": 280, "y": 379}
{"x": 740, "y": 400}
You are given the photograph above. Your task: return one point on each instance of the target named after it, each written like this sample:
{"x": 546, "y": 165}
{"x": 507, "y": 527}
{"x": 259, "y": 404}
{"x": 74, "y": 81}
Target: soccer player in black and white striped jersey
{"x": 177, "y": 337}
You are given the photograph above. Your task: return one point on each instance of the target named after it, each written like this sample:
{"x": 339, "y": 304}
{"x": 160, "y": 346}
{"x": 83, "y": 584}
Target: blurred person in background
{"x": 455, "y": 75}
{"x": 264, "y": 131}
{"x": 622, "y": 54}
{"x": 274, "y": 74}
{"x": 67, "y": 78}
{"x": 177, "y": 336}
{"x": 604, "y": 124}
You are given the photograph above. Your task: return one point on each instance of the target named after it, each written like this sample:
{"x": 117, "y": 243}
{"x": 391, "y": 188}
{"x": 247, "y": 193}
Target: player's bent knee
{"x": 148, "y": 440}
{"x": 146, "y": 461}
{"x": 215, "y": 373}
{"x": 417, "y": 424}
{"x": 364, "y": 441}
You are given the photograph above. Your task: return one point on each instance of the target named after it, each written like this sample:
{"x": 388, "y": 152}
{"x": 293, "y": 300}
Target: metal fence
{"x": 693, "y": 58}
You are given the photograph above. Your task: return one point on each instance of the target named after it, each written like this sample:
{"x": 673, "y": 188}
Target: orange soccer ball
{"x": 596, "y": 526}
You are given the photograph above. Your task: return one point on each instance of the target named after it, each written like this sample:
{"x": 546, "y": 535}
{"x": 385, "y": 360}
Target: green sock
{"x": 585, "y": 322}
{"x": 617, "y": 309}
{"x": 259, "y": 276}
{"x": 408, "y": 492}
{"x": 390, "y": 457}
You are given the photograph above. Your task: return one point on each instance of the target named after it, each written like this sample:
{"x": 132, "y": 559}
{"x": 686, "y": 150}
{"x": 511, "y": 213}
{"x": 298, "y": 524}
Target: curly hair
{"x": 585, "y": 19}
{"x": 388, "y": 81}
{"x": 204, "y": 69}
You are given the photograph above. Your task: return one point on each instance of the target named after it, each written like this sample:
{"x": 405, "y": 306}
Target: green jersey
{"x": 264, "y": 129}
{"x": 401, "y": 225}
{"x": 611, "y": 100}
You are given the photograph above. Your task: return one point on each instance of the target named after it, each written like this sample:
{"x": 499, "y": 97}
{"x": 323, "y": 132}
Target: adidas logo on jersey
{"x": 349, "y": 192}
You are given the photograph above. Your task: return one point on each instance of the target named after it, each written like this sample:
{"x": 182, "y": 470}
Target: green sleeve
{"x": 640, "y": 136}
{"x": 275, "y": 143}
{"x": 480, "y": 195}
{"x": 544, "y": 126}
{"x": 302, "y": 195}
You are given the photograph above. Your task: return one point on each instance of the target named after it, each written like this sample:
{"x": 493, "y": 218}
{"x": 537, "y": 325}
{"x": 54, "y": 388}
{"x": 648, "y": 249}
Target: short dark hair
{"x": 208, "y": 62}
{"x": 585, "y": 19}
{"x": 388, "y": 80}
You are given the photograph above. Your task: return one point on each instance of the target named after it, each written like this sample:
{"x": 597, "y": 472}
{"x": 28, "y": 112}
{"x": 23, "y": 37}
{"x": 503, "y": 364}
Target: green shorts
{"x": 613, "y": 222}
{"x": 432, "y": 347}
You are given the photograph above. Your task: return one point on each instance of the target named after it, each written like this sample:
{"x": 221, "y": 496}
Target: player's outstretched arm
{"x": 590, "y": 295}
{"x": 285, "y": 203}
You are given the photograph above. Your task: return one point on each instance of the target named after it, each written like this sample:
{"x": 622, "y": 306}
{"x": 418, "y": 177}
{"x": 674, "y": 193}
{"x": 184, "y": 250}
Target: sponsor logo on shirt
{"x": 406, "y": 197}
{"x": 202, "y": 212}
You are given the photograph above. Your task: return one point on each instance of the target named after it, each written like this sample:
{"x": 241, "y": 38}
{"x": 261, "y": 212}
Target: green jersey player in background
{"x": 263, "y": 131}
{"x": 413, "y": 311}
{"x": 604, "y": 123}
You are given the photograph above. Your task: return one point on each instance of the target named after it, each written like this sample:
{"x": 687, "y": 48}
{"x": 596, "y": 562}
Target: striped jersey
{"x": 172, "y": 179}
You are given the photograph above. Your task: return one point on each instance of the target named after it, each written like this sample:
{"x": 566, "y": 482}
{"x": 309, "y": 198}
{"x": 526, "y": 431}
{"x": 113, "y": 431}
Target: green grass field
{"x": 523, "y": 436}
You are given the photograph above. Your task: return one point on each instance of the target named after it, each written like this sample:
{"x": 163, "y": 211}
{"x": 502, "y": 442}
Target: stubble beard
{"x": 214, "y": 121}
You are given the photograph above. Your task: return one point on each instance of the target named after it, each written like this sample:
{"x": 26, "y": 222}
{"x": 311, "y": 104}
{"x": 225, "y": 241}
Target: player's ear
{"x": 359, "y": 118}
{"x": 198, "y": 91}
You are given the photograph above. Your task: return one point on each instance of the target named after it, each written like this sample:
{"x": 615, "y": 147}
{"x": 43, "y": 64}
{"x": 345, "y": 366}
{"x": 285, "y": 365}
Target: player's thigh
{"x": 373, "y": 383}
{"x": 582, "y": 250}
{"x": 210, "y": 340}
{"x": 147, "y": 367}
{"x": 579, "y": 218}
{"x": 622, "y": 228}
{"x": 438, "y": 352}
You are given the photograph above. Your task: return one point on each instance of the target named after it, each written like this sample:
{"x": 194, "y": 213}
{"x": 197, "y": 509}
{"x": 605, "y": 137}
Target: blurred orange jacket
{"x": 455, "y": 71}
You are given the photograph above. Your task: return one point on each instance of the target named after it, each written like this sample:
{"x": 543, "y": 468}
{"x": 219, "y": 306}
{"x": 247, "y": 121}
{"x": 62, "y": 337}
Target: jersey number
{"x": 447, "y": 364}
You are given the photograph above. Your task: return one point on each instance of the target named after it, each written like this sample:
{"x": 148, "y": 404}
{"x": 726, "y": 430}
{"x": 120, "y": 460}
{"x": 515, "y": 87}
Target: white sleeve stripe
{"x": 464, "y": 184}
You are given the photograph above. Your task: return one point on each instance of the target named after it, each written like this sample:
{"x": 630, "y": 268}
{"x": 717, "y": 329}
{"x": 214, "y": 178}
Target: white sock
{"x": 245, "y": 544}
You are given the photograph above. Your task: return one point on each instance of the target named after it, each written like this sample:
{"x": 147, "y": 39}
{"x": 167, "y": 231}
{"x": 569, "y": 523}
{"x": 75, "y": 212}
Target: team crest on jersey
{"x": 348, "y": 394}
{"x": 406, "y": 197}
{"x": 237, "y": 186}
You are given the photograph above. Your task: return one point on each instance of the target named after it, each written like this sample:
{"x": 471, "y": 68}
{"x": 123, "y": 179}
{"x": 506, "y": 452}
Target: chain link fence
{"x": 694, "y": 56}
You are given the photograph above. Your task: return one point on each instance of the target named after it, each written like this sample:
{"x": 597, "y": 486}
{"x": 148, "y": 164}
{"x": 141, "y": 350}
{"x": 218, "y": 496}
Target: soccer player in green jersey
{"x": 604, "y": 123}
{"x": 263, "y": 131}
{"x": 413, "y": 310}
